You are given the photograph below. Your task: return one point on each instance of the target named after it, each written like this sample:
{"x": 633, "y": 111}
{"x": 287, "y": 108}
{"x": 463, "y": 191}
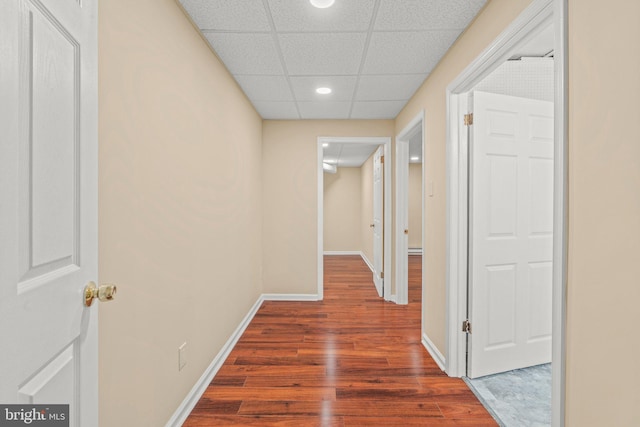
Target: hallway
{"x": 350, "y": 360}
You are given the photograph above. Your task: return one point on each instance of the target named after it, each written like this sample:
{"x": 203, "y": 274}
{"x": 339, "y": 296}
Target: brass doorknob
{"x": 406, "y": 231}
{"x": 372, "y": 225}
{"x": 103, "y": 293}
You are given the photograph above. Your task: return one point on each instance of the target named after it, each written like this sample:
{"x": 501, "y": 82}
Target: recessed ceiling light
{"x": 415, "y": 158}
{"x": 322, "y": 4}
{"x": 325, "y": 144}
{"x": 323, "y": 90}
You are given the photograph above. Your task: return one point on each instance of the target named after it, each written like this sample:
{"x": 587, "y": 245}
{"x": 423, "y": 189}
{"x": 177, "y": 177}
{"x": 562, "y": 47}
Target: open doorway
{"x": 465, "y": 266}
{"x": 511, "y": 240}
{"x": 345, "y": 166}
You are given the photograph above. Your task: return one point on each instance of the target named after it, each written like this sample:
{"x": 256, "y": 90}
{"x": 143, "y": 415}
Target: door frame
{"x": 538, "y": 15}
{"x": 387, "y": 233}
{"x": 402, "y": 202}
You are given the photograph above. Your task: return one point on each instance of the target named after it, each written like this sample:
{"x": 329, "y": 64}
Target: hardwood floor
{"x": 350, "y": 360}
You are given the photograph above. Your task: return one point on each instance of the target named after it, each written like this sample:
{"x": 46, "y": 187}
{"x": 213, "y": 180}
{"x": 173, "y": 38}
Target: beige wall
{"x": 342, "y": 210}
{"x": 415, "y": 205}
{"x": 168, "y": 110}
{"x": 603, "y": 373}
{"x": 290, "y": 208}
{"x": 180, "y": 214}
{"x": 604, "y": 201}
{"x": 366, "y": 231}
{"x": 431, "y": 97}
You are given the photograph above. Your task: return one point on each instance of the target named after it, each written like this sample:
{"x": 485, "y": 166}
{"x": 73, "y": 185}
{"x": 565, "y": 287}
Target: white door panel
{"x": 48, "y": 210}
{"x": 511, "y": 223}
{"x": 402, "y": 222}
{"x": 378, "y": 220}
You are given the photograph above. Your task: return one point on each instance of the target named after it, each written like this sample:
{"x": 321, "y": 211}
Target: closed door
{"x": 511, "y": 223}
{"x": 48, "y": 204}
{"x": 378, "y": 220}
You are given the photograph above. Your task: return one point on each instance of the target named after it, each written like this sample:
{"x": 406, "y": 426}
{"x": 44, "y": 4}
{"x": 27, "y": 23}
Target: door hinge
{"x": 382, "y": 274}
{"x": 466, "y": 326}
{"x": 381, "y": 159}
{"x": 468, "y": 119}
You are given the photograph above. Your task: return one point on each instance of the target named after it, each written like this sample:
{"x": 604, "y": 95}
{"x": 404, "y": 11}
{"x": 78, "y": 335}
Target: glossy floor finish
{"x": 350, "y": 360}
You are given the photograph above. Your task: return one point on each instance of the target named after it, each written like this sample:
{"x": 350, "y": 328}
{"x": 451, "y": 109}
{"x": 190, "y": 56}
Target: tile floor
{"x": 520, "y": 398}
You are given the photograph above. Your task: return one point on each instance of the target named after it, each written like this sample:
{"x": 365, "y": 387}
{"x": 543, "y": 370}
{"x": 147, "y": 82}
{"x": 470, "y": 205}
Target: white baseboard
{"x": 393, "y": 299}
{"x": 190, "y": 401}
{"x": 362, "y": 255}
{"x": 290, "y": 297}
{"x": 433, "y": 351}
{"x": 415, "y": 251}
{"x": 199, "y": 388}
{"x": 366, "y": 260}
{"x": 341, "y": 252}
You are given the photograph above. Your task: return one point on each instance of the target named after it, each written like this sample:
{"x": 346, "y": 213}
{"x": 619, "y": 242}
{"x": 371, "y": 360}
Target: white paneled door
{"x": 378, "y": 219}
{"x": 48, "y": 204}
{"x": 511, "y": 223}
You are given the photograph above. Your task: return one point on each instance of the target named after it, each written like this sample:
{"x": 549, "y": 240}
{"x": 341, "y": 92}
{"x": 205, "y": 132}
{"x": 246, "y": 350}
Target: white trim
{"x": 433, "y": 352}
{"x": 320, "y": 221}
{"x": 366, "y": 261}
{"x": 289, "y": 297}
{"x": 415, "y": 251}
{"x": 401, "y": 206}
{"x": 338, "y": 253}
{"x": 196, "y": 392}
{"x": 190, "y": 401}
{"x": 560, "y": 203}
{"x": 388, "y": 232}
{"x": 537, "y": 16}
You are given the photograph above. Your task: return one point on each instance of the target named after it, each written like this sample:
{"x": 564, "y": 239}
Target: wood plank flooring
{"x": 350, "y": 360}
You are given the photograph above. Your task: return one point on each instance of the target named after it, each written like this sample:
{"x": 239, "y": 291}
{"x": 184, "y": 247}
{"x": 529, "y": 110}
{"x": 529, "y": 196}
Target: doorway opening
{"x": 538, "y": 17}
{"x": 336, "y": 155}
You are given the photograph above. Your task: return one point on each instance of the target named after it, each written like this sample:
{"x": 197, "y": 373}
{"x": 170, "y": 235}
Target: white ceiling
{"x": 347, "y": 155}
{"x": 352, "y": 155}
{"x": 374, "y": 54}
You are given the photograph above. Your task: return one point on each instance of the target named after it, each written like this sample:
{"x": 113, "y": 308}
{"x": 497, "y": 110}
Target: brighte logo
{"x": 34, "y": 415}
{"x": 27, "y": 416}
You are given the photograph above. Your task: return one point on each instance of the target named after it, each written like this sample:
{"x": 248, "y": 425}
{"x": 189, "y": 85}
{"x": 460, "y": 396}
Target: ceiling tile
{"x": 301, "y": 16}
{"x": 376, "y": 109}
{"x": 265, "y": 88}
{"x": 247, "y": 53}
{"x": 304, "y": 88}
{"x": 277, "y": 110}
{"x": 407, "y": 52}
{"x": 354, "y": 155}
{"x": 331, "y": 153}
{"x": 280, "y": 51}
{"x": 426, "y": 14}
{"x": 324, "y": 110}
{"x": 322, "y": 53}
{"x": 228, "y": 15}
{"x": 389, "y": 87}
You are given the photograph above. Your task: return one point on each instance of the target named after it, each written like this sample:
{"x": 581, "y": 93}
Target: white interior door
{"x": 48, "y": 204}
{"x": 511, "y": 223}
{"x": 402, "y": 222}
{"x": 378, "y": 219}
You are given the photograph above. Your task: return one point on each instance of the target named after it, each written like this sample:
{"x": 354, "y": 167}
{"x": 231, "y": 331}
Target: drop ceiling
{"x": 373, "y": 54}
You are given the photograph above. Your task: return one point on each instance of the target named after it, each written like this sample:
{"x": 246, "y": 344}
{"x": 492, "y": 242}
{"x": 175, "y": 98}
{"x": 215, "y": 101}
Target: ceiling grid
{"x": 373, "y": 54}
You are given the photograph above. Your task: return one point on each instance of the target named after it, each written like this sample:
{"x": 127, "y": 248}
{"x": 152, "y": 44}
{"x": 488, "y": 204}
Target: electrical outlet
{"x": 182, "y": 356}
